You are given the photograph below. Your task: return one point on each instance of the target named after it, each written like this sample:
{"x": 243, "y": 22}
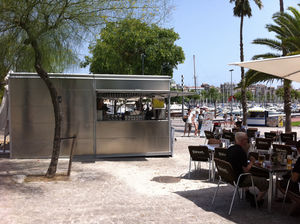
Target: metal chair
{"x": 226, "y": 175}
{"x": 270, "y": 135}
{"x": 256, "y": 154}
{"x": 199, "y": 154}
{"x": 285, "y": 148}
{"x": 291, "y": 195}
{"x": 251, "y": 132}
{"x": 285, "y": 193}
{"x": 208, "y": 135}
{"x": 229, "y": 135}
{"x": 214, "y": 141}
{"x": 221, "y": 153}
{"x": 291, "y": 143}
{"x": 263, "y": 143}
{"x": 287, "y": 137}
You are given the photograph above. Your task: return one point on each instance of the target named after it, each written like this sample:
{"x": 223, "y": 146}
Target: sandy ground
{"x": 127, "y": 190}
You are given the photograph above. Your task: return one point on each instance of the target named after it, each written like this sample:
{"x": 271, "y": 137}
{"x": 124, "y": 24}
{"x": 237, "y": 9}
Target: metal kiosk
{"x": 111, "y": 115}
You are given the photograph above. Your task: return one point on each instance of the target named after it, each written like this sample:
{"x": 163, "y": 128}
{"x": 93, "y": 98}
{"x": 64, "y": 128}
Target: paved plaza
{"x": 126, "y": 190}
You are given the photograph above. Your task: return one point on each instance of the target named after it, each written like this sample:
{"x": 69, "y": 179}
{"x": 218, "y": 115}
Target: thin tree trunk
{"x": 56, "y": 107}
{"x": 243, "y": 91}
{"x": 287, "y": 105}
{"x": 287, "y": 90}
{"x": 215, "y": 112}
{"x": 281, "y": 6}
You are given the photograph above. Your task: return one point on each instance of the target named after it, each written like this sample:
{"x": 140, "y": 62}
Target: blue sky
{"x": 209, "y": 31}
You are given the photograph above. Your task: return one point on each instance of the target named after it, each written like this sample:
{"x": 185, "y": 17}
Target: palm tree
{"x": 214, "y": 95}
{"x": 241, "y": 9}
{"x": 287, "y": 42}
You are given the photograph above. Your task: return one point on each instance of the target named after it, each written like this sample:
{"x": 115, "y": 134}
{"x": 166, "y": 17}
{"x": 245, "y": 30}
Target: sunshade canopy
{"x": 284, "y": 67}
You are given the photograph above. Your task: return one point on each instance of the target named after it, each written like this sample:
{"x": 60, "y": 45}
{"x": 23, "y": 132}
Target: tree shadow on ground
{"x": 29, "y": 167}
{"x": 92, "y": 159}
{"x": 199, "y": 174}
{"x": 21, "y": 166}
{"x": 8, "y": 183}
{"x": 241, "y": 212}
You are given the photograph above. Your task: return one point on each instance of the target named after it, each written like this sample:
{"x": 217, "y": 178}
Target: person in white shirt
{"x": 195, "y": 122}
{"x": 188, "y": 123}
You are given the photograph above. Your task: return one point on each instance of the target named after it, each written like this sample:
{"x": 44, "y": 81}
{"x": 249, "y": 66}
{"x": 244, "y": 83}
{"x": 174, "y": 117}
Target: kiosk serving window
{"x": 130, "y": 106}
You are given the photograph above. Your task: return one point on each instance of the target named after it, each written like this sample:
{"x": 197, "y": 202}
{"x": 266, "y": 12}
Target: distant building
{"x": 262, "y": 93}
{"x": 174, "y": 85}
{"x": 225, "y": 88}
{"x": 199, "y": 89}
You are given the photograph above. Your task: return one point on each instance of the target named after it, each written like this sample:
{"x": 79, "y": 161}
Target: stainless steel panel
{"x": 153, "y": 85}
{"x": 23, "y": 92}
{"x": 31, "y": 149}
{"x": 132, "y": 137}
{"x": 78, "y": 84}
{"x": 113, "y": 146}
{"x": 32, "y": 118}
{"x": 80, "y": 129}
{"x": 32, "y": 114}
{"x": 32, "y": 121}
{"x": 82, "y": 147}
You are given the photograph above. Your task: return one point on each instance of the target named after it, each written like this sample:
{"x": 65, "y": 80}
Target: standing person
{"x": 188, "y": 123}
{"x": 237, "y": 157}
{"x": 225, "y": 120}
{"x": 200, "y": 121}
{"x": 195, "y": 122}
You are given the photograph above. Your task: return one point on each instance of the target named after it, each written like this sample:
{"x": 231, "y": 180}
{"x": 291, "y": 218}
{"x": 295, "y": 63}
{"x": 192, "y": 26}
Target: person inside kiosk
{"x": 126, "y": 107}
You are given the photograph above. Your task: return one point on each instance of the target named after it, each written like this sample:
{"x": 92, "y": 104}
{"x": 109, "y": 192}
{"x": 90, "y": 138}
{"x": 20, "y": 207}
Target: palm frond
{"x": 252, "y": 77}
{"x": 266, "y": 55}
{"x": 294, "y": 53}
{"x": 295, "y": 12}
{"x": 276, "y": 29}
{"x": 274, "y": 44}
{"x": 258, "y": 3}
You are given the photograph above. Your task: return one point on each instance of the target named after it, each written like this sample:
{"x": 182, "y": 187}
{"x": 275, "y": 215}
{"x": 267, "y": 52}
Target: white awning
{"x": 284, "y": 67}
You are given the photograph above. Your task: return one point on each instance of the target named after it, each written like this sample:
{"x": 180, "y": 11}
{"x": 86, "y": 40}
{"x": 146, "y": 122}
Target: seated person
{"x": 237, "y": 157}
{"x": 238, "y": 125}
{"x": 295, "y": 175}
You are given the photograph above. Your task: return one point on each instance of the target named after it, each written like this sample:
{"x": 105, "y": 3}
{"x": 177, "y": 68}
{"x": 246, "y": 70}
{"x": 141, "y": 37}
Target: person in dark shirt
{"x": 237, "y": 157}
{"x": 295, "y": 177}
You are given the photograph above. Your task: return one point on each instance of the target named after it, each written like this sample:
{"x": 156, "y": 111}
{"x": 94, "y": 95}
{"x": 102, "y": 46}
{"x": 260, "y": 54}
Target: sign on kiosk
{"x": 158, "y": 102}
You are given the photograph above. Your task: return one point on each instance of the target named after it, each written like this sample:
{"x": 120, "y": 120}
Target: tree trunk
{"x": 243, "y": 89}
{"x": 287, "y": 105}
{"x": 287, "y": 90}
{"x": 56, "y": 107}
{"x": 281, "y": 6}
{"x": 215, "y": 112}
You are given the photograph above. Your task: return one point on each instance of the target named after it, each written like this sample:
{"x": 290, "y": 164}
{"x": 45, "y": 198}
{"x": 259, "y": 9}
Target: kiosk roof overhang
{"x": 89, "y": 76}
{"x": 283, "y": 67}
{"x": 109, "y": 82}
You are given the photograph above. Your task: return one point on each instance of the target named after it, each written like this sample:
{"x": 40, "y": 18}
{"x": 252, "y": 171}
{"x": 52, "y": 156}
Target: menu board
{"x": 207, "y": 124}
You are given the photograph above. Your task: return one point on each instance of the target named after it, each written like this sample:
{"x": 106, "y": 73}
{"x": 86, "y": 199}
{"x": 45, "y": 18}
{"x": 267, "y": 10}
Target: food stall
{"x": 111, "y": 115}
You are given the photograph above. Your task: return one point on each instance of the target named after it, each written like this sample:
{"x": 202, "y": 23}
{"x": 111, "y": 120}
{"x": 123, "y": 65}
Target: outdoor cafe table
{"x": 212, "y": 170}
{"x": 274, "y": 169}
